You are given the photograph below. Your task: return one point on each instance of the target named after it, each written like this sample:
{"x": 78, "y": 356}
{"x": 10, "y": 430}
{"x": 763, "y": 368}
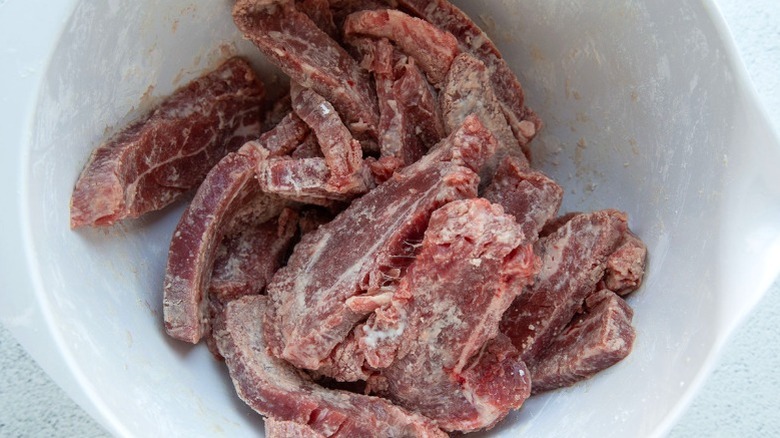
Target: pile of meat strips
{"x": 372, "y": 254}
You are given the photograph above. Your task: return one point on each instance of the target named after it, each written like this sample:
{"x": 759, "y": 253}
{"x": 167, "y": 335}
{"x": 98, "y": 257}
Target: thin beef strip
{"x": 573, "y": 262}
{"x": 524, "y": 122}
{"x": 361, "y": 253}
{"x": 152, "y": 162}
{"x": 275, "y": 389}
{"x": 292, "y": 41}
{"x": 229, "y": 186}
{"x": 595, "y": 340}
{"x": 529, "y": 195}
{"x": 467, "y": 90}
{"x": 432, "y": 48}
{"x": 343, "y": 154}
{"x": 430, "y": 340}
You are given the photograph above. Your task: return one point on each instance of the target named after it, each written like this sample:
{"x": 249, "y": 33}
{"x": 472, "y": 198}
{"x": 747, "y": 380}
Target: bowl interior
{"x": 642, "y": 114}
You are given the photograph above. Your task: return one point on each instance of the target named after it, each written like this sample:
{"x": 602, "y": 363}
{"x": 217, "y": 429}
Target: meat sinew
{"x": 431, "y": 340}
{"x": 278, "y": 390}
{"x": 153, "y": 161}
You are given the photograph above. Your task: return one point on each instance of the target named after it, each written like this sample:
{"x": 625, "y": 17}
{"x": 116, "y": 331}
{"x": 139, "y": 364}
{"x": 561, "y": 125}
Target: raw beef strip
{"x": 343, "y": 154}
{"x": 250, "y": 253}
{"x": 397, "y": 136}
{"x": 229, "y": 187}
{"x": 311, "y": 58}
{"x": 626, "y": 266}
{"x": 418, "y": 98}
{"x": 362, "y": 252}
{"x": 593, "y": 341}
{"x": 528, "y": 195}
{"x": 467, "y": 90}
{"x": 383, "y": 168}
{"x": 573, "y": 261}
{"x": 150, "y": 163}
{"x": 286, "y": 136}
{"x": 432, "y": 48}
{"x": 320, "y": 14}
{"x": 432, "y": 336}
{"x": 305, "y": 180}
{"x": 524, "y": 122}
{"x": 278, "y": 390}
{"x": 343, "y": 8}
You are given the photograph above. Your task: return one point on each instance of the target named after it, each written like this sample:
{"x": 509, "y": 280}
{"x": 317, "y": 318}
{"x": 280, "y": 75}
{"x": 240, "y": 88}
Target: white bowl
{"x": 647, "y": 109}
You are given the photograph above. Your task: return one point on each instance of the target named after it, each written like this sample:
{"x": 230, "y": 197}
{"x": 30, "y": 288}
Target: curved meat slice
{"x": 430, "y": 341}
{"x": 431, "y": 47}
{"x": 342, "y": 153}
{"x": 467, "y": 90}
{"x": 362, "y": 251}
{"x": 229, "y": 187}
{"x": 594, "y": 341}
{"x": 278, "y": 390}
{"x": 292, "y": 41}
{"x": 305, "y": 180}
{"x": 153, "y": 161}
{"x": 573, "y": 262}
{"x": 524, "y": 122}
{"x": 528, "y": 195}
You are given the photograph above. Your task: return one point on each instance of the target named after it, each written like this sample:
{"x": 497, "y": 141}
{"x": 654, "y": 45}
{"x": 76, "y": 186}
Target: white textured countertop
{"x": 740, "y": 398}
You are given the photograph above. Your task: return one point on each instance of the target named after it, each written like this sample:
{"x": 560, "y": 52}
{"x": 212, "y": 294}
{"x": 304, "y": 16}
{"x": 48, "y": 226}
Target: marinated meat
{"x": 343, "y": 154}
{"x": 432, "y": 48}
{"x": 573, "y": 261}
{"x": 150, "y": 163}
{"x": 431, "y": 338}
{"x": 278, "y": 390}
{"x": 289, "y": 429}
{"x": 286, "y": 136}
{"x": 311, "y": 58}
{"x": 443, "y": 14}
{"x": 467, "y": 90}
{"x": 305, "y": 180}
{"x": 416, "y": 96}
{"x": 626, "y": 266}
{"x": 250, "y": 253}
{"x": 362, "y": 251}
{"x": 229, "y": 187}
{"x": 529, "y": 195}
{"x": 592, "y": 342}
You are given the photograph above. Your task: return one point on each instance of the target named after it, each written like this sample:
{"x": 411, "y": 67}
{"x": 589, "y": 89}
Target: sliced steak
{"x": 292, "y": 41}
{"x": 278, "y": 390}
{"x": 595, "y": 340}
{"x": 363, "y": 251}
{"x": 431, "y": 338}
{"x": 467, "y": 90}
{"x": 229, "y": 186}
{"x": 529, "y": 195}
{"x": 153, "y": 161}
{"x": 342, "y": 153}
{"x": 626, "y": 266}
{"x": 573, "y": 262}
{"x": 431, "y": 47}
{"x": 524, "y": 122}
{"x": 250, "y": 252}
{"x": 286, "y": 136}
